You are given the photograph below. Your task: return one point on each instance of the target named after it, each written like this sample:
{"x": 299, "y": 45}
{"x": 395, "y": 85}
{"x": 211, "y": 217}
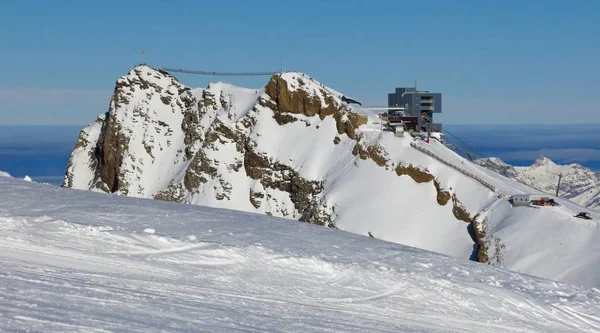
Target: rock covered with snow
{"x": 4, "y": 174}
{"x": 160, "y": 139}
{"x": 135, "y": 148}
{"x": 27, "y": 178}
{"x": 578, "y": 183}
{"x": 295, "y": 149}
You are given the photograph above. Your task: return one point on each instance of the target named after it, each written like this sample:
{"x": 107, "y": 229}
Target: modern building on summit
{"x": 416, "y": 108}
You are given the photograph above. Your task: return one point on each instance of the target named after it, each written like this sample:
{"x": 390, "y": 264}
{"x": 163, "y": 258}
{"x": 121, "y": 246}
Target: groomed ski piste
{"x": 80, "y": 261}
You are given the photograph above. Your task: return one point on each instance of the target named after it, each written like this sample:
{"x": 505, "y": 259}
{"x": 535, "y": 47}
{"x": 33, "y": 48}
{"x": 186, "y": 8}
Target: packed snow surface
{"x": 83, "y": 262}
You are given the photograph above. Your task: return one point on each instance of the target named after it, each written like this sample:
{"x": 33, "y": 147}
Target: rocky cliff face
{"x": 578, "y": 184}
{"x": 163, "y": 140}
{"x": 294, "y": 149}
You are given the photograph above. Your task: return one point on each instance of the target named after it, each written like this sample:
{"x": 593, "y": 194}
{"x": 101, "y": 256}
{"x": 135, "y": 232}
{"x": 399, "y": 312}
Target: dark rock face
{"x": 112, "y": 144}
{"x": 275, "y": 175}
{"x": 256, "y": 198}
{"x": 442, "y": 196}
{"x": 109, "y": 154}
{"x": 417, "y": 174}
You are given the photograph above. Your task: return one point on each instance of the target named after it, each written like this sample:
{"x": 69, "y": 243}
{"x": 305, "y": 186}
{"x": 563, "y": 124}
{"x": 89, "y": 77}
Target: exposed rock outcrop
{"x": 111, "y": 147}
{"x": 300, "y": 101}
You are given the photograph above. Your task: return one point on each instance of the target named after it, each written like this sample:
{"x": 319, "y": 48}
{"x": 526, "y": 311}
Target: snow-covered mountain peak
{"x": 164, "y": 140}
{"x": 270, "y": 150}
{"x": 543, "y": 161}
{"x": 4, "y": 174}
{"x": 132, "y": 148}
{"x": 145, "y": 73}
{"x": 296, "y": 149}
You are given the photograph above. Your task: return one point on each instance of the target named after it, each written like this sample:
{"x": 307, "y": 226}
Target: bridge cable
{"x": 188, "y": 71}
{"x": 474, "y": 151}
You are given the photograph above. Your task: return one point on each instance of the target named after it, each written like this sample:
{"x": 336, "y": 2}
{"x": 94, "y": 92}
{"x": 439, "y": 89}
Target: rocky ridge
{"x": 163, "y": 140}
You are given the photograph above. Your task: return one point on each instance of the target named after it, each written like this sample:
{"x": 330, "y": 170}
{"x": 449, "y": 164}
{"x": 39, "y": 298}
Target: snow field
{"x": 82, "y": 261}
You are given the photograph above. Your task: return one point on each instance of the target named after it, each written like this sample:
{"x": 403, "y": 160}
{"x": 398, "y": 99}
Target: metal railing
{"x": 463, "y": 171}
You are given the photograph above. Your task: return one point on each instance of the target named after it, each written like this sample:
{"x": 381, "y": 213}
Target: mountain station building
{"x": 414, "y": 109}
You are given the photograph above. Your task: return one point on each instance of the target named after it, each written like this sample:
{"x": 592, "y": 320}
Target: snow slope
{"x": 578, "y": 184}
{"x": 294, "y": 149}
{"x": 548, "y": 241}
{"x": 85, "y": 262}
{"x": 4, "y": 174}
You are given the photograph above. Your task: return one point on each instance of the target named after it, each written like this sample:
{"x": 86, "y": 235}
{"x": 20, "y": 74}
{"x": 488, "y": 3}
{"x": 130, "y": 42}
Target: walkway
{"x": 463, "y": 171}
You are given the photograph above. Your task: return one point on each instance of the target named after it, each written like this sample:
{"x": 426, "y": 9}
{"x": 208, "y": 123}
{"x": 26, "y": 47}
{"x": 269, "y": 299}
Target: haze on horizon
{"x": 495, "y": 63}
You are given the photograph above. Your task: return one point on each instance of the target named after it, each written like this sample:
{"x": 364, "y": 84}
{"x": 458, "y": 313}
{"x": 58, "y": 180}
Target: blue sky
{"x": 496, "y": 62}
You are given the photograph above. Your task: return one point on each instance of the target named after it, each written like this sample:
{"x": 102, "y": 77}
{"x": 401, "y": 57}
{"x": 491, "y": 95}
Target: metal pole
{"x": 558, "y": 186}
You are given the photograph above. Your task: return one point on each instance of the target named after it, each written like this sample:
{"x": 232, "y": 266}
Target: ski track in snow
{"x": 84, "y": 262}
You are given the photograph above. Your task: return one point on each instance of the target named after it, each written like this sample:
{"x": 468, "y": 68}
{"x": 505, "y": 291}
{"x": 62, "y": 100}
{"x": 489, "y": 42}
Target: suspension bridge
{"x": 464, "y": 148}
{"x": 382, "y": 108}
{"x": 189, "y": 71}
{"x": 458, "y": 144}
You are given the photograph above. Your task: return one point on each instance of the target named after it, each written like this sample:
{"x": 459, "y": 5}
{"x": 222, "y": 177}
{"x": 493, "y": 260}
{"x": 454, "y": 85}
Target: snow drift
{"x": 295, "y": 149}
